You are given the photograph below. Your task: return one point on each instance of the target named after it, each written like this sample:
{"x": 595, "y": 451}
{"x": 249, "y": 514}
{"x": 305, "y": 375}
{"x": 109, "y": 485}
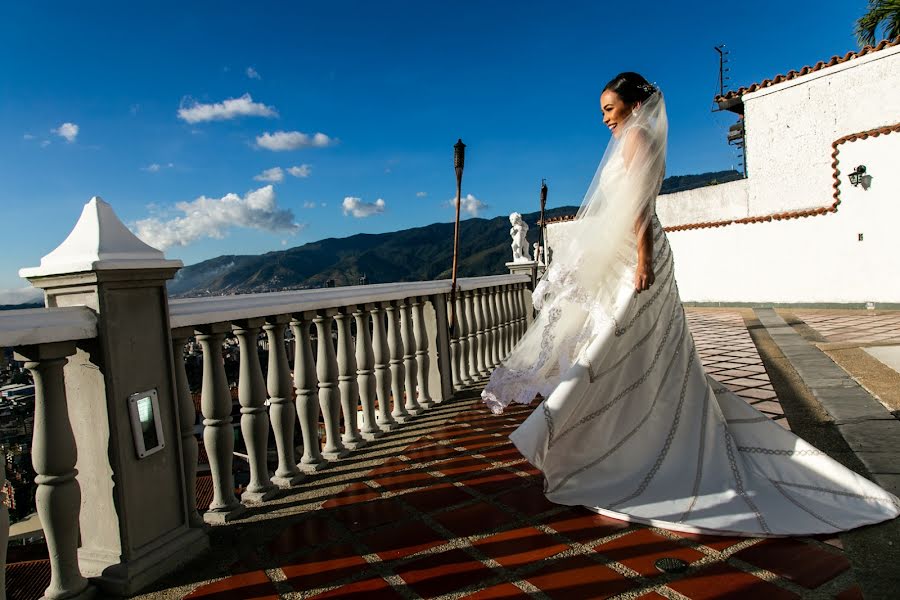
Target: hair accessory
{"x": 647, "y": 87}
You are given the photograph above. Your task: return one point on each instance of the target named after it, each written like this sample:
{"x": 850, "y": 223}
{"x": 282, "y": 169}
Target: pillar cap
{"x": 99, "y": 241}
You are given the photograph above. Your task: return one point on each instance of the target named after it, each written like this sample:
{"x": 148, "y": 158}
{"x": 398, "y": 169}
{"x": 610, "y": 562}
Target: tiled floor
{"x": 861, "y": 327}
{"x": 730, "y": 357}
{"x": 457, "y": 513}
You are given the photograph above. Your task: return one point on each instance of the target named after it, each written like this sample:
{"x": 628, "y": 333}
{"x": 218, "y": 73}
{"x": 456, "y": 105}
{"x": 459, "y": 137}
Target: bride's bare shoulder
{"x": 635, "y": 141}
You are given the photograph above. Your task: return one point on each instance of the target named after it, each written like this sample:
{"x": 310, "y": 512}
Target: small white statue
{"x": 518, "y": 232}
{"x": 538, "y": 254}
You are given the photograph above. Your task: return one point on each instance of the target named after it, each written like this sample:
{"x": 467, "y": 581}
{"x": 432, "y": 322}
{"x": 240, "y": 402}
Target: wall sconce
{"x": 856, "y": 177}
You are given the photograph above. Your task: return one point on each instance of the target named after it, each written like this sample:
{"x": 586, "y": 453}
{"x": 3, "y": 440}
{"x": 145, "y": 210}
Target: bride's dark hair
{"x": 631, "y": 87}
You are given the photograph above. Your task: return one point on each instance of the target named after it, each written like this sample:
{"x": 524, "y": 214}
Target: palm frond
{"x": 881, "y": 14}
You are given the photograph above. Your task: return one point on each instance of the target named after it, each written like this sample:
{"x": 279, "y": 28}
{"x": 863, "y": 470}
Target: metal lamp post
{"x": 542, "y": 247}
{"x": 459, "y": 159}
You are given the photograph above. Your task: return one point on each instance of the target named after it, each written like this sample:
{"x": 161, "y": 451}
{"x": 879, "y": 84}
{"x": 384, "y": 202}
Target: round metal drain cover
{"x": 671, "y": 565}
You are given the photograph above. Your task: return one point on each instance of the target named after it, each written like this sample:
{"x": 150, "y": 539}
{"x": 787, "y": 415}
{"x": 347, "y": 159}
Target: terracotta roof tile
{"x": 835, "y": 60}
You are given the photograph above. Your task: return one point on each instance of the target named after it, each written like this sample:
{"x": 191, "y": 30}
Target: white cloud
{"x": 360, "y": 209}
{"x": 45, "y": 143}
{"x": 213, "y": 217}
{"x": 22, "y": 295}
{"x": 470, "y": 205}
{"x": 156, "y": 167}
{"x": 421, "y": 194}
{"x": 27, "y": 136}
{"x": 292, "y": 140}
{"x": 309, "y": 204}
{"x": 302, "y": 171}
{"x": 67, "y": 130}
{"x": 273, "y": 175}
{"x": 232, "y": 108}
{"x": 252, "y": 74}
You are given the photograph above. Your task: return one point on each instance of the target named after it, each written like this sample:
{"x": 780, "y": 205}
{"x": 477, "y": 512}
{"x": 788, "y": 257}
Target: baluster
{"x": 519, "y": 309}
{"x": 502, "y": 324}
{"x": 281, "y": 406}
{"x": 410, "y": 368}
{"x": 4, "y": 527}
{"x": 508, "y": 320}
{"x": 481, "y": 335}
{"x": 53, "y": 455}
{"x": 306, "y": 384}
{"x": 329, "y": 392}
{"x": 382, "y": 355}
{"x": 218, "y": 431}
{"x": 254, "y": 418}
{"x": 465, "y": 347}
{"x": 472, "y": 335}
{"x": 346, "y": 359}
{"x": 395, "y": 346}
{"x": 365, "y": 372}
{"x": 455, "y": 349}
{"x": 495, "y": 321}
{"x": 484, "y": 305}
{"x": 440, "y": 356}
{"x": 422, "y": 361}
{"x": 187, "y": 416}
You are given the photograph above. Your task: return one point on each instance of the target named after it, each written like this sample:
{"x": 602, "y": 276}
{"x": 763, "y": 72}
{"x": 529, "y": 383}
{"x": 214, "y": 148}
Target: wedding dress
{"x": 630, "y": 425}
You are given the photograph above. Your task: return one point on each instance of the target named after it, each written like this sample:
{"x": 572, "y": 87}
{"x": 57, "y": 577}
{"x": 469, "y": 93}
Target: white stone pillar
{"x": 410, "y": 368}
{"x": 281, "y": 406}
{"x": 138, "y": 528}
{"x": 307, "y": 386}
{"x": 53, "y": 454}
{"x": 481, "y": 335}
{"x": 473, "y": 349}
{"x": 383, "y": 375}
{"x": 441, "y": 383}
{"x": 423, "y": 364}
{"x": 218, "y": 429}
{"x": 329, "y": 392}
{"x": 188, "y": 417}
{"x": 365, "y": 372}
{"x": 455, "y": 349}
{"x": 395, "y": 347}
{"x": 254, "y": 418}
{"x": 346, "y": 359}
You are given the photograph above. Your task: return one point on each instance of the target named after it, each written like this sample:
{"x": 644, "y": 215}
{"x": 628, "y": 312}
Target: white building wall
{"x": 790, "y": 129}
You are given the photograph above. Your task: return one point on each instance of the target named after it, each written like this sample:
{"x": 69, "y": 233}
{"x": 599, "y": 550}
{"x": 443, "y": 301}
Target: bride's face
{"x": 615, "y": 111}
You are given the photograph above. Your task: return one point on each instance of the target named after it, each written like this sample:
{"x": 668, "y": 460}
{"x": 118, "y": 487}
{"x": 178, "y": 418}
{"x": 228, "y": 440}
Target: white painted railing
{"x": 394, "y": 357}
{"x": 44, "y": 338}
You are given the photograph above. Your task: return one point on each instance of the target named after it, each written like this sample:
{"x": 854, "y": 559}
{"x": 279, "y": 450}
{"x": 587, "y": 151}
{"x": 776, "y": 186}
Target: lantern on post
{"x": 459, "y": 159}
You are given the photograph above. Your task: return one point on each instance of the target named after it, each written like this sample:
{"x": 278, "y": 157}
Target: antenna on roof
{"x": 724, "y": 79}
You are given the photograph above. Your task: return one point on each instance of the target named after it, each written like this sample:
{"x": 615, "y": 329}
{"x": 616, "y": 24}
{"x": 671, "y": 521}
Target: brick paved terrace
{"x": 447, "y": 508}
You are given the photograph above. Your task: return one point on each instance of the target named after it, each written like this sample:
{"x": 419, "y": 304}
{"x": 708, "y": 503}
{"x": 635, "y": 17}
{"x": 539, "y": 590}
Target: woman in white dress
{"x": 630, "y": 425}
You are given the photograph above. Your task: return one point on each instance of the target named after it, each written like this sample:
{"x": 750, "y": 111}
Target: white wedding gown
{"x": 632, "y": 427}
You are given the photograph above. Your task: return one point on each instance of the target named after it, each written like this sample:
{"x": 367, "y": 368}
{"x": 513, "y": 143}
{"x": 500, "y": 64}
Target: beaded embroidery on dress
{"x": 631, "y": 426}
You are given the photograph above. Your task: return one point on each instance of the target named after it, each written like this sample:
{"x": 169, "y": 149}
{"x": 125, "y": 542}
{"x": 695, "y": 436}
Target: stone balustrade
{"x": 383, "y": 355}
{"x": 44, "y": 339}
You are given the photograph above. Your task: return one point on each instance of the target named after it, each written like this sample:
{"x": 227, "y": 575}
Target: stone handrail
{"x": 44, "y": 338}
{"x": 363, "y": 386}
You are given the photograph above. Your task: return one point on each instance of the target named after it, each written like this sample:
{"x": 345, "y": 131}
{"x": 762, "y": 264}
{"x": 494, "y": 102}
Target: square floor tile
{"x": 640, "y": 549}
{"x": 442, "y": 573}
{"x": 491, "y": 482}
{"x": 504, "y": 591}
{"x": 246, "y": 586}
{"x": 312, "y": 531}
{"x": 405, "y": 481}
{"x": 366, "y": 515}
{"x": 375, "y": 588}
{"x": 431, "y": 453}
{"x": 529, "y": 501}
{"x": 716, "y": 542}
{"x": 580, "y": 525}
{"x": 323, "y": 567}
{"x": 723, "y": 581}
{"x": 404, "y": 539}
{"x": 436, "y": 497}
{"x": 579, "y": 578}
{"x": 353, "y": 493}
{"x": 475, "y": 519}
{"x": 463, "y": 465}
{"x": 802, "y": 563}
{"x": 391, "y": 465}
{"x": 502, "y": 454}
{"x": 519, "y": 547}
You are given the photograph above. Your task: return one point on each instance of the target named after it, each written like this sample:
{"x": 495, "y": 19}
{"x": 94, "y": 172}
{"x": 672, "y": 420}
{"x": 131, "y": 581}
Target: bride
{"x": 630, "y": 425}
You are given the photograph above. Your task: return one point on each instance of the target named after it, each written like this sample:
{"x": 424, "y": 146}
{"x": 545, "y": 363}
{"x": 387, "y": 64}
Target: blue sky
{"x": 176, "y": 113}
